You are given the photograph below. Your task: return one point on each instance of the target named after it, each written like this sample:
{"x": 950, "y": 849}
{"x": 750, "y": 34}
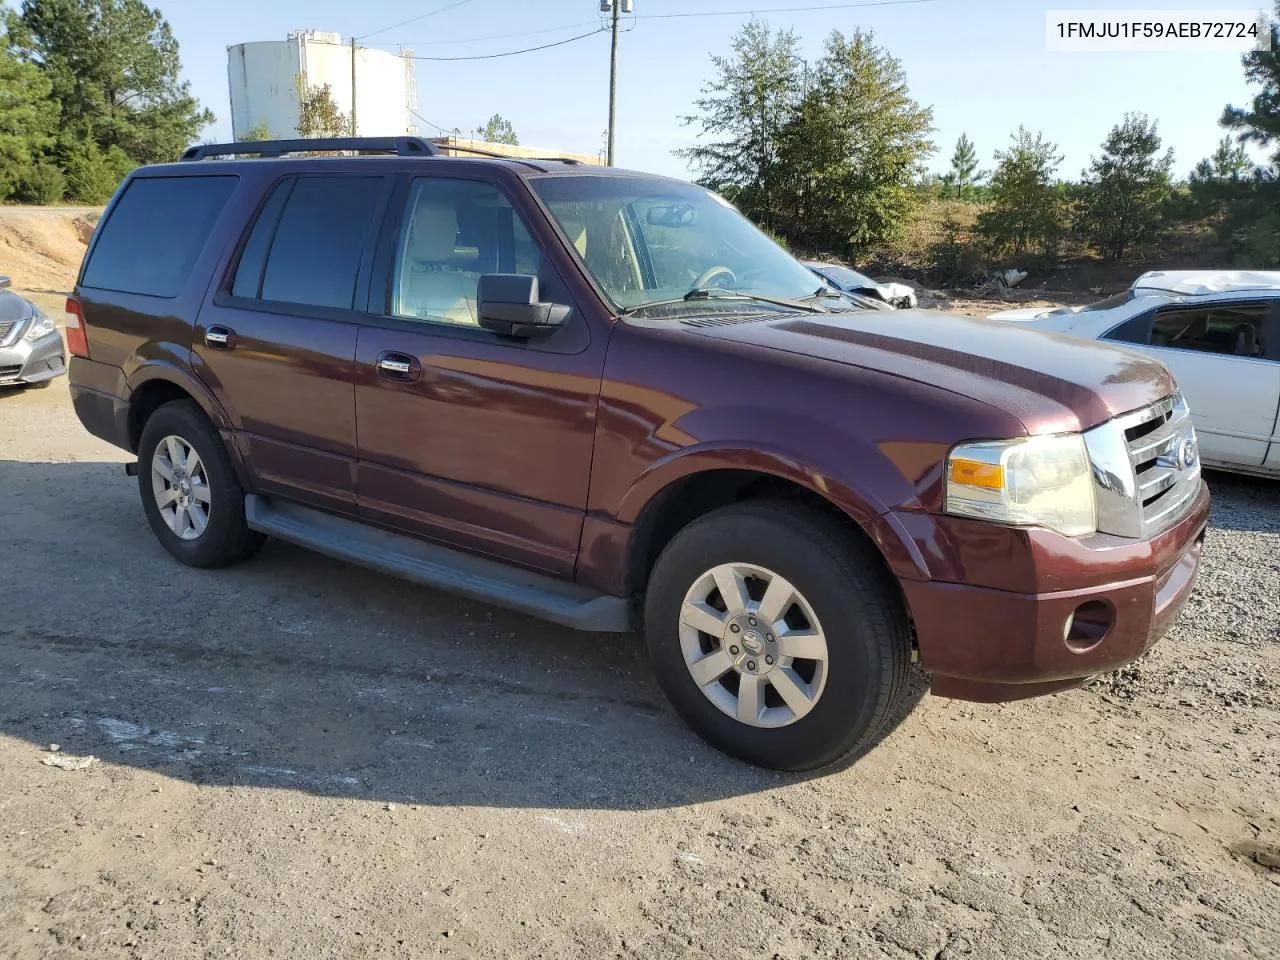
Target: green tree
{"x": 27, "y": 121}
{"x": 258, "y": 132}
{"x": 1124, "y": 191}
{"x": 1229, "y": 162}
{"x": 741, "y": 114}
{"x": 318, "y": 115}
{"x": 1026, "y": 205}
{"x": 114, "y": 70}
{"x": 964, "y": 175}
{"x": 41, "y": 183}
{"x": 498, "y": 129}
{"x": 1243, "y": 202}
{"x": 853, "y": 150}
{"x": 1260, "y": 122}
{"x": 93, "y": 174}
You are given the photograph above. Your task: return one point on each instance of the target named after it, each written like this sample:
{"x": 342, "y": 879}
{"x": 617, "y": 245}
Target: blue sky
{"x": 981, "y": 65}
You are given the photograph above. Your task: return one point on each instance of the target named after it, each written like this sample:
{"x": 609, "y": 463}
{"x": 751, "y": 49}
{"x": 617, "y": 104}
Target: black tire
{"x": 854, "y": 598}
{"x": 226, "y": 538}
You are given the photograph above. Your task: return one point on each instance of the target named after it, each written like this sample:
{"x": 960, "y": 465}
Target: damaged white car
{"x": 1219, "y": 332}
{"x": 897, "y": 295}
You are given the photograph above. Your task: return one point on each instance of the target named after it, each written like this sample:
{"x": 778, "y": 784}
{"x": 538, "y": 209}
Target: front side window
{"x": 455, "y": 231}
{"x": 1235, "y": 330}
{"x": 648, "y": 241}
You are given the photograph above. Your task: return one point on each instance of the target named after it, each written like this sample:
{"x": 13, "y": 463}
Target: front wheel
{"x": 777, "y": 636}
{"x": 190, "y": 492}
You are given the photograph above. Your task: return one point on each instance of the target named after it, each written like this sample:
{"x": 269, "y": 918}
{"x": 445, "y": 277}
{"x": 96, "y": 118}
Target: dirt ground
{"x": 298, "y": 758}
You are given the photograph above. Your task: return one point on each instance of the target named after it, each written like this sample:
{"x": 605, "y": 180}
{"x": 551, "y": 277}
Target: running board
{"x": 453, "y": 571}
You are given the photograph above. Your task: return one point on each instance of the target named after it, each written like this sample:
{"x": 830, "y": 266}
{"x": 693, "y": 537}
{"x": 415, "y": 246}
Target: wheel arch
{"x": 156, "y": 384}
{"x": 689, "y": 486}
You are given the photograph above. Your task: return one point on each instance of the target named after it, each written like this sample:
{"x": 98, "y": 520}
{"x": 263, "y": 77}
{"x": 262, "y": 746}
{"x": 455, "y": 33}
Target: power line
{"x": 421, "y": 16}
{"x": 739, "y": 13}
{"x": 498, "y": 36}
{"x": 429, "y": 123}
{"x": 512, "y": 53}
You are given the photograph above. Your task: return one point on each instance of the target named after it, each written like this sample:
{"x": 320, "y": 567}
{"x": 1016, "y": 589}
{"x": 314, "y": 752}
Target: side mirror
{"x": 509, "y": 305}
{"x": 4, "y": 283}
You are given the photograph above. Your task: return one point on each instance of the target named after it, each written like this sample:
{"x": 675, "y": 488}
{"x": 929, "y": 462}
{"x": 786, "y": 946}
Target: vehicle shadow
{"x": 294, "y": 671}
{"x": 1242, "y": 503}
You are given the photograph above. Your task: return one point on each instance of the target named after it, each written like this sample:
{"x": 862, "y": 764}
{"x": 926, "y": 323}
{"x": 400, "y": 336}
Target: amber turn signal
{"x": 975, "y": 473}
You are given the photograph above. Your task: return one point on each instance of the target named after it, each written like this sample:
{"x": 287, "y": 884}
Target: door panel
{"x": 1233, "y": 401}
{"x": 488, "y": 449}
{"x": 467, "y": 438}
{"x": 287, "y": 384}
{"x": 278, "y": 342}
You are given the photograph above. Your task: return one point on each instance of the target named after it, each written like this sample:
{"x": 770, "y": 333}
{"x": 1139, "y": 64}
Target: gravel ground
{"x": 301, "y": 758}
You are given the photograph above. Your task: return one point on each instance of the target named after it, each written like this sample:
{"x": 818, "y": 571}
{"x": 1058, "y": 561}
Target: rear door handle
{"x": 220, "y": 338}
{"x": 398, "y": 366}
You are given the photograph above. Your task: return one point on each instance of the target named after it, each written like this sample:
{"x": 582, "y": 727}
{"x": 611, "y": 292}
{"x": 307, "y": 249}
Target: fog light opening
{"x": 1088, "y": 626}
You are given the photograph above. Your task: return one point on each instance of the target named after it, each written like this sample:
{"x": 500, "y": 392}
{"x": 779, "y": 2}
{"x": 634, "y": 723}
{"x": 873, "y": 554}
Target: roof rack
{"x": 400, "y": 146}
{"x": 443, "y": 147}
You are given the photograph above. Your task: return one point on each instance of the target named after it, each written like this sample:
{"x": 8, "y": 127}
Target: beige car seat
{"x": 431, "y": 284}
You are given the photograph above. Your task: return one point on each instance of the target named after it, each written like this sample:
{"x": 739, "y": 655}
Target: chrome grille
{"x": 6, "y": 327}
{"x": 1146, "y": 468}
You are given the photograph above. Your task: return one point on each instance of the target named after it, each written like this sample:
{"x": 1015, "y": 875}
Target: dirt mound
{"x": 40, "y": 250}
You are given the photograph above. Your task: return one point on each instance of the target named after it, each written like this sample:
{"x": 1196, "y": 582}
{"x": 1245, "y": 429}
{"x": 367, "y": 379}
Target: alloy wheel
{"x": 753, "y": 645}
{"x": 181, "y": 487}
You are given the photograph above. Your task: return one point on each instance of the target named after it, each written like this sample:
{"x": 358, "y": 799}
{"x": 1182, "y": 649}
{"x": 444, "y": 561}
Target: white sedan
{"x": 1219, "y": 332}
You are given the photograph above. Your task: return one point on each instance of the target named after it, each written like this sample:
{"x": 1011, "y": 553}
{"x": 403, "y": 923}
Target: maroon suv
{"x": 606, "y": 399}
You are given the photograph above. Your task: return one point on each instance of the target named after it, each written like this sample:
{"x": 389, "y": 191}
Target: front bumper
{"x": 32, "y": 361}
{"x": 987, "y": 644}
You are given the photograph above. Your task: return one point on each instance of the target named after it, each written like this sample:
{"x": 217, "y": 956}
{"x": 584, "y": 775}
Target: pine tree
{"x": 498, "y": 129}
{"x": 964, "y": 167}
{"x": 1025, "y": 205}
{"x": 1124, "y": 190}
{"x": 741, "y": 114}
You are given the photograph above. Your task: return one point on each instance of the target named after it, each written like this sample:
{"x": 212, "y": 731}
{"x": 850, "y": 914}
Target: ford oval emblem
{"x": 1186, "y": 456}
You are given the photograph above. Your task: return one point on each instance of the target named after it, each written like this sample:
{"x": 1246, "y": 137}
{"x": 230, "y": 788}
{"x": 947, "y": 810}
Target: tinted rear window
{"x": 315, "y": 253}
{"x": 154, "y": 234}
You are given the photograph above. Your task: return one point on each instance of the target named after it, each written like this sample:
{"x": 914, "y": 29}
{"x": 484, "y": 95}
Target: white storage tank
{"x": 264, "y": 78}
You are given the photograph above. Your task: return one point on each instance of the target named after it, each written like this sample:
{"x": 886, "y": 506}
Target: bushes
{"x": 93, "y": 174}
{"x": 41, "y": 183}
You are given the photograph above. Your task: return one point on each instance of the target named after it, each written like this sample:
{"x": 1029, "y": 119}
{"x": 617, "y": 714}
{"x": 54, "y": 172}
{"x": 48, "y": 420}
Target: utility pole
{"x": 353, "y": 86}
{"x": 614, "y": 8}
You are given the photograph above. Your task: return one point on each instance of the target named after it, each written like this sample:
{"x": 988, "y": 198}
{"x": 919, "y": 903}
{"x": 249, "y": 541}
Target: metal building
{"x": 264, "y": 80}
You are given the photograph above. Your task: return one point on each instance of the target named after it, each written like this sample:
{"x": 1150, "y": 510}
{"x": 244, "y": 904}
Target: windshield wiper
{"x": 703, "y": 294}
{"x": 717, "y": 293}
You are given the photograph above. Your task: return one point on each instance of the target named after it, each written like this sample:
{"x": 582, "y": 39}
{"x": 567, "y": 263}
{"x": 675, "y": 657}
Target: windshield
{"x": 653, "y": 241}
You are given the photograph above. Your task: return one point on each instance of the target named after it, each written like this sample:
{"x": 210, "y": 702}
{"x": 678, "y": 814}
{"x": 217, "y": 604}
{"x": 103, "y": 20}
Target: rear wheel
{"x": 190, "y": 492}
{"x": 779, "y": 639}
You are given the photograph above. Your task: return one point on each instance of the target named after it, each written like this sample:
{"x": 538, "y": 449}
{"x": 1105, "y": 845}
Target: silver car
{"x": 31, "y": 351}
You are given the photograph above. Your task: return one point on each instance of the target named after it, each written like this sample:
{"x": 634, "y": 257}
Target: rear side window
{"x": 308, "y": 241}
{"x": 154, "y": 234}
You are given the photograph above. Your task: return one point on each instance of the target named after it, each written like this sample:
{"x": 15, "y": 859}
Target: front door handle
{"x": 220, "y": 338}
{"x": 399, "y": 366}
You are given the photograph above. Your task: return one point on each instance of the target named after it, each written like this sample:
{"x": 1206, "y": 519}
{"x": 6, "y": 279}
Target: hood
{"x": 1032, "y": 313}
{"x": 13, "y": 307}
{"x": 1051, "y": 383}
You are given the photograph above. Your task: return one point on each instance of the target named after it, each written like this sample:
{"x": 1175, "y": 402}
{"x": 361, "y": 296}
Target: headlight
{"x": 1038, "y": 481}
{"x": 38, "y": 326}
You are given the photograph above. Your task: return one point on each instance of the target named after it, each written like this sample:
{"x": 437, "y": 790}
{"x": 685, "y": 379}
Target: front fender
{"x": 852, "y": 474}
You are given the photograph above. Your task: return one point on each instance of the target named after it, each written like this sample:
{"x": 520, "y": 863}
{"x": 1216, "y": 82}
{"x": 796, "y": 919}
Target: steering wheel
{"x": 705, "y": 278}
